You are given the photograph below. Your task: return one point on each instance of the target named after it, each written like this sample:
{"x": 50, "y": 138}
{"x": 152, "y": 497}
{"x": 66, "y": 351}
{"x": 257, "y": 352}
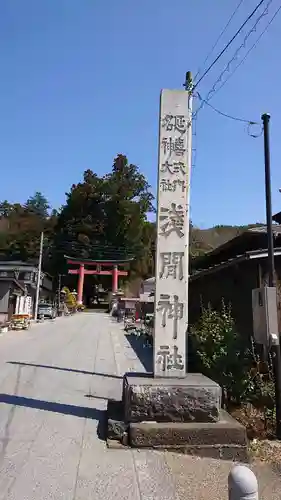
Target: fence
{"x": 242, "y": 484}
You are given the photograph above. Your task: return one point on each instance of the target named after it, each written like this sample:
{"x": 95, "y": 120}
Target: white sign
{"x": 171, "y": 294}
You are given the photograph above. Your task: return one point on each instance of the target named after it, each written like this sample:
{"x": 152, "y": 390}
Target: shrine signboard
{"x": 171, "y": 294}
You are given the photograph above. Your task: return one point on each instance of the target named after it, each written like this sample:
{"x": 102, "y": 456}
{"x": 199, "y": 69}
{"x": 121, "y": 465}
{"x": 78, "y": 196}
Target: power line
{"x": 250, "y": 50}
{"x": 243, "y": 45}
{"x": 94, "y": 250}
{"x": 228, "y": 44}
{"x": 225, "y": 114}
{"x": 218, "y": 39}
{"x": 227, "y": 67}
{"x": 235, "y": 118}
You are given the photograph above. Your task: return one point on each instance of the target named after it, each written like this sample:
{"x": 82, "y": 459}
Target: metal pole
{"x": 275, "y": 348}
{"x": 39, "y": 276}
{"x": 59, "y": 304}
{"x": 271, "y": 273}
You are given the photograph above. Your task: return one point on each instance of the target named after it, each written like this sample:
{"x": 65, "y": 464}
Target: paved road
{"x": 51, "y": 439}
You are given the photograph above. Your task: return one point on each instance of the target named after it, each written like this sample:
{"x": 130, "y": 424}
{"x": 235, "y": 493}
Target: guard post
{"x": 242, "y": 484}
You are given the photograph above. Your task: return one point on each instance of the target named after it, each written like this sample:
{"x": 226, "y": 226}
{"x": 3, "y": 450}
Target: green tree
{"x": 6, "y": 208}
{"x": 38, "y": 204}
{"x": 144, "y": 266}
{"x": 106, "y": 217}
{"x": 20, "y": 230}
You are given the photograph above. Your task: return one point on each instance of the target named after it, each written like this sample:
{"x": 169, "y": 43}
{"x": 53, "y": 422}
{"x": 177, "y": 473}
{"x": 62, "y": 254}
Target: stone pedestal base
{"x": 225, "y": 439}
{"x": 177, "y": 414}
{"x": 194, "y": 398}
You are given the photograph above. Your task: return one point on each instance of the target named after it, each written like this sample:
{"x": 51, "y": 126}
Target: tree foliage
{"x": 104, "y": 217}
{"x": 20, "y": 230}
{"x": 38, "y": 205}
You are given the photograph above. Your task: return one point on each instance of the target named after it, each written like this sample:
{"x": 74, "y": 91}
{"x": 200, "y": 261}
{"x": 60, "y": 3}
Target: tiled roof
{"x": 254, "y": 254}
{"x": 276, "y": 228}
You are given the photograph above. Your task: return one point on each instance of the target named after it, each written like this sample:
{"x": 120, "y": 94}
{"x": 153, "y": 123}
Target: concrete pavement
{"x": 54, "y": 383}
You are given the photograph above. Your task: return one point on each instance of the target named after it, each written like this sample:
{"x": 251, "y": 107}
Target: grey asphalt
{"x": 55, "y": 380}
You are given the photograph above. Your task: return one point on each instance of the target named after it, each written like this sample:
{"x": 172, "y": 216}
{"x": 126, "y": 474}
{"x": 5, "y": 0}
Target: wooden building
{"x": 231, "y": 272}
{"x": 277, "y": 217}
{"x": 19, "y": 279}
{"x": 10, "y": 292}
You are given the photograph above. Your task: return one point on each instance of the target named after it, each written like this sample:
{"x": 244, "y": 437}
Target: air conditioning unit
{"x": 265, "y": 317}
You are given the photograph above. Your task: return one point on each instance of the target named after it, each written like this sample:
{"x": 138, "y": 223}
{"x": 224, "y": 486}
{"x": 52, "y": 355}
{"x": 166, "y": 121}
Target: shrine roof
{"x": 99, "y": 261}
{"x": 10, "y": 265}
{"x": 250, "y": 255}
{"x": 277, "y": 217}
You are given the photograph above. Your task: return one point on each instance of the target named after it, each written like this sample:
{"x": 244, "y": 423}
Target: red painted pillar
{"x": 115, "y": 279}
{"x": 80, "y": 284}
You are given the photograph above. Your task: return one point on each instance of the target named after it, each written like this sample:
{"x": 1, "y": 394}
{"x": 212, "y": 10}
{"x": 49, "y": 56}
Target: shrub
{"x": 220, "y": 351}
{"x": 236, "y": 364}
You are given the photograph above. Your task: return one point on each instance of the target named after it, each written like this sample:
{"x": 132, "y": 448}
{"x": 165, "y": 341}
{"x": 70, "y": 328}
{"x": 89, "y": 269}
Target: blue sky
{"x": 80, "y": 82}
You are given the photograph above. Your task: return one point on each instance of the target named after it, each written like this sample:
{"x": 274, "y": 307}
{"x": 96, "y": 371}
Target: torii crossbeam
{"x": 99, "y": 265}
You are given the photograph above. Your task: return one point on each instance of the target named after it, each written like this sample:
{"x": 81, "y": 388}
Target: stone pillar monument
{"x": 171, "y": 408}
{"x": 171, "y": 295}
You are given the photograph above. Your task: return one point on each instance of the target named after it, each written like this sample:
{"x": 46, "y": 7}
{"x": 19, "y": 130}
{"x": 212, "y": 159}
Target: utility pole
{"x": 39, "y": 276}
{"x": 271, "y": 271}
{"x": 59, "y": 304}
{"x": 275, "y": 347}
{"x": 59, "y": 291}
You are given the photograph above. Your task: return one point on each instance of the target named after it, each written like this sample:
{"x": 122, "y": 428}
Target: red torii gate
{"x": 81, "y": 272}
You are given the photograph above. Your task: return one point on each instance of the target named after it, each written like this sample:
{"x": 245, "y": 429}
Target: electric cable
{"x": 235, "y": 118}
{"x": 225, "y": 114}
{"x": 249, "y": 51}
{"x": 228, "y": 44}
{"x": 227, "y": 67}
{"x": 218, "y": 39}
{"x": 243, "y": 45}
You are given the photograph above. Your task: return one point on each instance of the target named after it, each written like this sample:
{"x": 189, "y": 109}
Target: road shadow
{"x": 59, "y": 368}
{"x": 102, "y": 398}
{"x": 64, "y": 409}
{"x": 145, "y": 354}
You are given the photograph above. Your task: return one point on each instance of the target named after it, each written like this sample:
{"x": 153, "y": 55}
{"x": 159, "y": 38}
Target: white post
{"x": 242, "y": 484}
{"x": 171, "y": 293}
{"x": 39, "y": 276}
{"x": 17, "y": 308}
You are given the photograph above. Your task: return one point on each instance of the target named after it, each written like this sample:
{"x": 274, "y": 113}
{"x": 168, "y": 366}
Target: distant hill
{"x": 205, "y": 240}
